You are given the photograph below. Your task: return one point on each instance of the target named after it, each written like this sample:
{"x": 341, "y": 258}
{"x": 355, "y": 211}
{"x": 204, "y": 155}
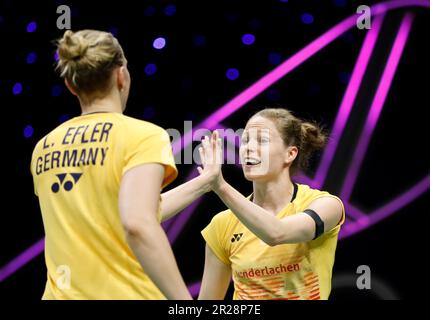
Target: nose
{"x": 252, "y": 146}
{"x": 250, "y": 149}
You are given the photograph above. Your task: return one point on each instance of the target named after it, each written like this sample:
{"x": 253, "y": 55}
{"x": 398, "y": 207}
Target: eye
{"x": 263, "y": 140}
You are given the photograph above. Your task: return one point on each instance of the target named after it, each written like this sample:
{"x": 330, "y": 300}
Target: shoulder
{"x": 314, "y": 198}
{"x": 224, "y": 221}
{"x": 41, "y": 145}
{"x": 137, "y": 124}
{"x": 218, "y": 231}
{"x": 306, "y": 194}
{"x": 142, "y": 129}
{"x": 56, "y": 131}
{"x": 223, "y": 217}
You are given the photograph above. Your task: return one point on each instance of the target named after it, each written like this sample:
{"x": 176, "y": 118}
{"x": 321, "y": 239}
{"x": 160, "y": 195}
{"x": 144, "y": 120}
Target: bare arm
{"x": 273, "y": 231}
{"x": 144, "y": 234}
{"x": 175, "y": 200}
{"x": 216, "y": 278}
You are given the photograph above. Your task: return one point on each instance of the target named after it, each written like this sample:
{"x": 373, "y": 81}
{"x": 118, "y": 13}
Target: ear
{"x": 70, "y": 87}
{"x": 291, "y": 154}
{"x": 120, "y": 77}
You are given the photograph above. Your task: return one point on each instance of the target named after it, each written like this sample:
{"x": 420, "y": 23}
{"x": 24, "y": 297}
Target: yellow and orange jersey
{"x": 287, "y": 271}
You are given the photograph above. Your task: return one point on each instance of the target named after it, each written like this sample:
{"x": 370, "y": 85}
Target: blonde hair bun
{"x": 86, "y": 59}
{"x": 71, "y": 47}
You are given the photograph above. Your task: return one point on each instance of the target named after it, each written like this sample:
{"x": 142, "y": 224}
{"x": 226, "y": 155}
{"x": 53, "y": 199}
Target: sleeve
{"x": 326, "y": 194}
{"x": 150, "y": 146}
{"x": 342, "y": 219}
{"x": 214, "y": 235}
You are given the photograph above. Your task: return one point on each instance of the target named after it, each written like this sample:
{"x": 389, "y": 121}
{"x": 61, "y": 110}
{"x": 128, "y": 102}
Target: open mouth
{"x": 252, "y": 161}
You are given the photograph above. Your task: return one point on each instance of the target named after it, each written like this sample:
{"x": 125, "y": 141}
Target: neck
{"x": 275, "y": 194}
{"x": 108, "y": 103}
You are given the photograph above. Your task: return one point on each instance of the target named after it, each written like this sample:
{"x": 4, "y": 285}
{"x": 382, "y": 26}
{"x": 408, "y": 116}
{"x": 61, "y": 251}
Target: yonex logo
{"x": 236, "y": 237}
{"x": 67, "y": 185}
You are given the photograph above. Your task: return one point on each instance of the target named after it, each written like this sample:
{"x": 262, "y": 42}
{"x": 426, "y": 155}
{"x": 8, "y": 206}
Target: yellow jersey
{"x": 77, "y": 170}
{"x": 300, "y": 271}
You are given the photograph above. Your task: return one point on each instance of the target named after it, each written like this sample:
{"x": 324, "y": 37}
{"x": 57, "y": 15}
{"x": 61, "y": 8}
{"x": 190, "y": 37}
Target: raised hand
{"x": 211, "y": 155}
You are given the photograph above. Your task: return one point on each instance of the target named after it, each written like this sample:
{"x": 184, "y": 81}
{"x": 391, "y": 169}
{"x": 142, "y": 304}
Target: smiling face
{"x": 263, "y": 153}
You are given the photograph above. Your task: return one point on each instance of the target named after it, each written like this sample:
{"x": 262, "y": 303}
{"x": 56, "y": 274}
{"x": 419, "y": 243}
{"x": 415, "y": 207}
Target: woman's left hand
{"x": 211, "y": 155}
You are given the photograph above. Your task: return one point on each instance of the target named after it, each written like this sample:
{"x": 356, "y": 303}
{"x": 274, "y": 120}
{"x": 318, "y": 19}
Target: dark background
{"x": 203, "y": 40}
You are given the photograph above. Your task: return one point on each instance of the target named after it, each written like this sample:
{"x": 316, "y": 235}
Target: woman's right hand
{"x": 211, "y": 155}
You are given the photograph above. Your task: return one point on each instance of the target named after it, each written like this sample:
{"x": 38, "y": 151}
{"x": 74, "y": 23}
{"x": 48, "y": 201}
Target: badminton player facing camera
{"x": 280, "y": 243}
{"x": 98, "y": 177}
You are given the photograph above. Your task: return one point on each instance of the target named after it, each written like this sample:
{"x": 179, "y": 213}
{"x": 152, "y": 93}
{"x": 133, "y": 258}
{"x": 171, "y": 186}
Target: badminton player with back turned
{"x": 98, "y": 177}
